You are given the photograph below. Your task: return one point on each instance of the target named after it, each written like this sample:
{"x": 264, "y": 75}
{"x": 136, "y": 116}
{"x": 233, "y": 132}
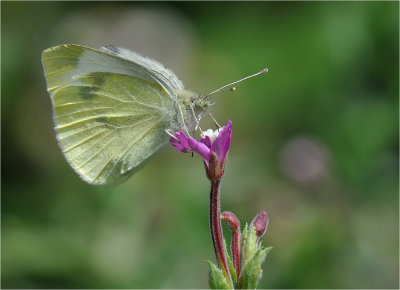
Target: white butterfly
{"x": 112, "y": 108}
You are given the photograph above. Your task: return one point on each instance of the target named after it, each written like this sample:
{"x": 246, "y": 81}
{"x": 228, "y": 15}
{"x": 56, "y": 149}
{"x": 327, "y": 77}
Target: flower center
{"x": 211, "y": 134}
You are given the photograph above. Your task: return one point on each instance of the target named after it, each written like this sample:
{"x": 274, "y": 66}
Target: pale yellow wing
{"x": 111, "y": 108}
{"x": 110, "y": 124}
{"x": 62, "y": 63}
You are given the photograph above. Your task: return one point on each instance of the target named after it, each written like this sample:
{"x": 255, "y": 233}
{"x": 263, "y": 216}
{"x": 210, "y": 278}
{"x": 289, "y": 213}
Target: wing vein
{"x": 83, "y": 141}
{"x": 97, "y": 152}
{"x": 134, "y": 100}
{"x": 93, "y": 118}
{"x": 78, "y": 132}
{"x": 127, "y": 148}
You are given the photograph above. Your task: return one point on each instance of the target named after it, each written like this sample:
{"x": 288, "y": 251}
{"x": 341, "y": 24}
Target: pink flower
{"x": 213, "y": 147}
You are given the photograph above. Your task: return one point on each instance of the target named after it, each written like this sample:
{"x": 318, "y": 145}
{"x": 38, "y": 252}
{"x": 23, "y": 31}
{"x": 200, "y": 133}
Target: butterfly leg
{"x": 183, "y": 121}
{"x": 215, "y": 121}
{"x": 195, "y": 118}
{"x": 170, "y": 134}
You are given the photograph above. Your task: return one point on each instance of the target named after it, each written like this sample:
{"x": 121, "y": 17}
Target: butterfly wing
{"x": 63, "y": 62}
{"x": 110, "y": 113}
{"x": 164, "y": 76}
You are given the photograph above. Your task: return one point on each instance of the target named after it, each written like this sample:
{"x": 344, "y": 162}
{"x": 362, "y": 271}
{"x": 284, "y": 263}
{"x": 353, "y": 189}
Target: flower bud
{"x": 231, "y": 219}
{"x": 260, "y": 223}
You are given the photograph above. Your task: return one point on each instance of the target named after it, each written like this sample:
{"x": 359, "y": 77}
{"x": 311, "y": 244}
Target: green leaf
{"x": 264, "y": 253}
{"x": 249, "y": 246}
{"x": 230, "y": 265}
{"x": 217, "y": 279}
{"x": 251, "y": 271}
{"x": 244, "y": 235}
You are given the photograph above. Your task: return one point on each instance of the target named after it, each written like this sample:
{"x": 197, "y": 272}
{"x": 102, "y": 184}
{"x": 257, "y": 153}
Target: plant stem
{"x": 234, "y": 225}
{"x": 216, "y": 229}
{"x": 235, "y": 248}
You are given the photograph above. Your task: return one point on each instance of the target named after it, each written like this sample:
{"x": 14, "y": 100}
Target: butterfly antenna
{"x": 230, "y": 84}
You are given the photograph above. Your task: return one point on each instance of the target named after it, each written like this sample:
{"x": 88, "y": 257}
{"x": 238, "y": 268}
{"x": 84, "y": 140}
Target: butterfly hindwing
{"x": 109, "y": 124}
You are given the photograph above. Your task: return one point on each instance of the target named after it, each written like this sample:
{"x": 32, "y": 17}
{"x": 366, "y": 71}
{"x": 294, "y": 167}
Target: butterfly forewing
{"x": 109, "y": 122}
{"x": 162, "y": 74}
{"x": 63, "y": 63}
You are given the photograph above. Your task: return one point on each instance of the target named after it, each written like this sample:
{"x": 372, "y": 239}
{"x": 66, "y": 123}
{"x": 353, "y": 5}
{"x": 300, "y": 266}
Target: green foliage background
{"x": 315, "y": 144}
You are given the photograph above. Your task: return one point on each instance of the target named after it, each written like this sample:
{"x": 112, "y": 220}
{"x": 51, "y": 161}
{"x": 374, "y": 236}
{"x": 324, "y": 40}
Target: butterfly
{"x": 114, "y": 108}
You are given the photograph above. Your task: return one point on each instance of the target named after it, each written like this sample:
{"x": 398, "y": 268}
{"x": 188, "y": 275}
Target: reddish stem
{"x": 234, "y": 225}
{"x": 235, "y": 248}
{"x": 216, "y": 229}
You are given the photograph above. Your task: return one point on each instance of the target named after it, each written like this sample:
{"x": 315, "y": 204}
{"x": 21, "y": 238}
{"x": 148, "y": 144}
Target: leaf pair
{"x": 252, "y": 256}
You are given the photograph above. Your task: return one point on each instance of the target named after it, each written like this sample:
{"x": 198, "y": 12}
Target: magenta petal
{"x": 223, "y": 141}
{"x": 183, "y": 139}
{"x": 182, "y": 143}
{"x": 206, "y": 141}
{"x": 177, "y": 144}
{"x": 200, "y": 148}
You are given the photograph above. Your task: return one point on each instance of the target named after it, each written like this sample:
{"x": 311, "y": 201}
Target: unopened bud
{"x": 260, "y": 223}
{"x": 231, "y": 220}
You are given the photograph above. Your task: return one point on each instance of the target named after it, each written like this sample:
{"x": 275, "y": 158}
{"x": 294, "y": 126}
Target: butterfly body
{"x": 187, "y": 100}
{"x": 112, "y": 106}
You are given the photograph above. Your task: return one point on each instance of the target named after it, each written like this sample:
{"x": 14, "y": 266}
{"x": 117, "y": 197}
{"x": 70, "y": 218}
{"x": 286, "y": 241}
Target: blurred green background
{"x": 315, "y": 144}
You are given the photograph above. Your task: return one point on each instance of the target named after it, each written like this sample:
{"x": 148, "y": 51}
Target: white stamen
{"x": 211, "y": 134}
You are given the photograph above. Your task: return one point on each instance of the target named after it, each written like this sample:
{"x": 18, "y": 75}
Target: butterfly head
{"x": 199, "y": 103}
{"x": 202, "y": 103}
